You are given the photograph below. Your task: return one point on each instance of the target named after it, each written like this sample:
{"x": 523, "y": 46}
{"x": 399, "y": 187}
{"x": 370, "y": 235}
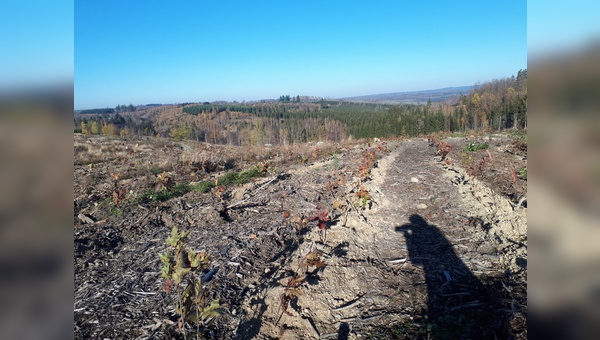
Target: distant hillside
{"x": 448, "y": 94}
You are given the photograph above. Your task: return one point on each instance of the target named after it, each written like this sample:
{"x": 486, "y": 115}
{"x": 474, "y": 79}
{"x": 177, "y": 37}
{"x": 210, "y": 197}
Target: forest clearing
{"x": 387, "y": 238}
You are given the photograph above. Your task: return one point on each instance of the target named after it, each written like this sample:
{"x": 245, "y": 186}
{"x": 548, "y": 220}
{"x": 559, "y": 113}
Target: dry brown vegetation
{"x": 392, "y": 239}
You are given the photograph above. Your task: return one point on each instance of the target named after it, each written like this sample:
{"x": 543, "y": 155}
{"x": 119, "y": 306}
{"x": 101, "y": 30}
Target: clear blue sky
{"x": 559, "y": 26}
{"x": 178, "y": 51}
{"x": 36, "y": 43}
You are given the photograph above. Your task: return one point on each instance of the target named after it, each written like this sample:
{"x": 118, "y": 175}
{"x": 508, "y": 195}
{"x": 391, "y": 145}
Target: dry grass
{"x": 212, "y": 158}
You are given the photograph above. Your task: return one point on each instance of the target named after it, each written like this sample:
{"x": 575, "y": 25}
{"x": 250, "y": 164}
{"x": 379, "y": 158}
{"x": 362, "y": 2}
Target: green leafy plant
{"x": 335, "y": 164}
{"x": 164, "y": 194}
{"x": 242, "y": 177}
{"x": 180, "y": 189}
{"x": 363, "y": 197}
{"x": 115, "y": 211}
{"x": 476, "y": 146}
{"x": 523, "y": 173}
{"x": 149, "y": 195}
{"x": 154, "y": 170}
{"x": 231, "y": 178}
{"x": 203, "y": 187}
{"x": 246, "y": 175}
{"x": 181, "y": 270}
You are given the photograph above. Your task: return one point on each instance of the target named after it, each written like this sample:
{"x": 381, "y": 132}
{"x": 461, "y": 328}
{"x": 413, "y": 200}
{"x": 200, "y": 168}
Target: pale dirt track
{"x": 373, "y": 285}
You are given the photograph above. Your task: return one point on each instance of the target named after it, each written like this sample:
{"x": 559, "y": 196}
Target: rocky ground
{"x": 422, "y": 240}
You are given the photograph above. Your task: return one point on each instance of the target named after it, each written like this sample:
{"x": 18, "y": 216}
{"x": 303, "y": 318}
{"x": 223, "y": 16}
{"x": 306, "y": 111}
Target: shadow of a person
{"x": 456, "y": 299}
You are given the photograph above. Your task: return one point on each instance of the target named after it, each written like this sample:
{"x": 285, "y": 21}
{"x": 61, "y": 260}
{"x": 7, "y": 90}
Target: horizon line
{"x": 275, "y": 99}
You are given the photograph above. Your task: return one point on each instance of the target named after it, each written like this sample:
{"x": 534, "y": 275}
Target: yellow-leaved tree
{"x": 181, "y": 131}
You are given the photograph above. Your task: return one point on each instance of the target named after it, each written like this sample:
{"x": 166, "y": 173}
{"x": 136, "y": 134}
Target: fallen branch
{"x": 261, "y": 187}
{"x": 85, "y": 219}
{"x": 523, "y": 199}
{"x": 349, "y": 304}
{"x": 402, "y": 260}
{"x": 267, "y": 233}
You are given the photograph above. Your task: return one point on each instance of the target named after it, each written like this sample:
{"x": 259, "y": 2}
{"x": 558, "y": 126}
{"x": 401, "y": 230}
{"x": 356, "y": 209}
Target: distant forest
{"x": 495, "y": 105}
{"x": 119, "y": 108}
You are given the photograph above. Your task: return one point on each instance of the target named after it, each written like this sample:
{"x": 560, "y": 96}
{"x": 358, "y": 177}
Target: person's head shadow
{"x": 457, "y": 302}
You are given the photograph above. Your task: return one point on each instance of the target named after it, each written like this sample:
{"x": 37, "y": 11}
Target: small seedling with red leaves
{"x": 514, "y": 175}
{"x": 263, "y": 167}
{"x": 219, "y": 191}
{"x": 363, "y": 197}
{"x": 485, "y": 161}
{"x": 339, "y": 204}
{"x": 443, "y": 149}
{"x": 315, "y": 153}
{"x": 312, "y": 259}
{"x": 330, "y": 187}
{"x": 481, "y": 165}
{"x": 290, "y": 292}
{"x": 340, "y": 181}
{"x": 164, "y": 181}
{"x": 322, "y": 217}
{"x": 368, "y": 162}
{"x": 119, "y": 195}
{"x": 382, "y": 148}
{"x": 432, "y": 140}
{"x": 300, "y": 222}
{"x": 115, "y": 176}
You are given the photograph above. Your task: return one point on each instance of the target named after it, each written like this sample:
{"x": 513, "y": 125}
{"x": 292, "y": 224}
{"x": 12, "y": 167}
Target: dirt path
{"x": 413, "y": 254}
{"x": 433, "y": 254}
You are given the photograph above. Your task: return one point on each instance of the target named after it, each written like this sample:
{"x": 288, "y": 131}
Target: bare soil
{"x": 437, "y": 251}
